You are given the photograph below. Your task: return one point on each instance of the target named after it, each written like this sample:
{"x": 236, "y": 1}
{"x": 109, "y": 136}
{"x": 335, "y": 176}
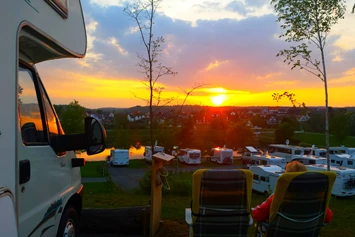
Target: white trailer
{"x": 148, "y": 152}
{"x": 38, "y": 166}
{"x": 344, "y": 160}
{"x": 344, "y": 184}
{"x": 190, "y": 156}
{"x": 265, "y": 178}
{"x": 119, "y": 157}
{"x": 222, "y": 155}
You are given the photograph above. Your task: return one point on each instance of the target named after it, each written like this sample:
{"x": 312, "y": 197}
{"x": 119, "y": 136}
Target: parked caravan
{"x": 222, "y": 155}
{"x": 314, "y": 151}
{"x": 38, "y": 166}
{"x": 148, "y": 152}
{"x": 190, "y": 156}
{"x": 265, "y": 160}
{"x": 119, "y": 157}
{"x": 249, "y": 151}
{"x": 342, "y": 150}
{"x": 265, "y": 178}
{"x": 345, "y": 180}
{"x": 310, "y": 160}
{"x": 286, "y": 151}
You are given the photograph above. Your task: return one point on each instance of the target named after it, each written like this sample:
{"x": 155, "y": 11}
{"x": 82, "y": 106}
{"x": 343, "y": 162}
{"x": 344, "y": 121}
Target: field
{"x": 108, "y": 195}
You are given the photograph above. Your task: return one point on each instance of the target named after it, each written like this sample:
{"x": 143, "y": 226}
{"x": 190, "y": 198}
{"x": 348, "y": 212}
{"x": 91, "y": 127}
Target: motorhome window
{"x": 350, "y": 162}
{"x": 194, "y": 155}
{"x": 312, "y": 162}
{"x": 298, "y": 152}
{"x": 338, "y": 162}
{"x": 332, "y": 161}
{"x": 31, "y": 119}
{"x": 262, "y": 178}
{"x": 256, "y": 177}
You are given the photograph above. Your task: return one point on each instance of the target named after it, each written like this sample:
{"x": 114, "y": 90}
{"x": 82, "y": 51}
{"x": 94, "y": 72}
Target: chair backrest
{"x": 221, "y": 202}
{"x": 299, "y": 204}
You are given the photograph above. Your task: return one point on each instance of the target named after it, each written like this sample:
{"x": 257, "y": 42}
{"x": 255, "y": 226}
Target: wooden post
{"x": 156, "y": 192}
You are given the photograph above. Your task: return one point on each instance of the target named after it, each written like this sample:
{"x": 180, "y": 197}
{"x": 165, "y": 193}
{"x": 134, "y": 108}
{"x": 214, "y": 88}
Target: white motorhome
{"x": 265, "y": 178}
{"x": 342, "y": 160}
{"x": 222, "y": 155}
{"x": 285, "y": 151}
{"x": 119, "y": 157}
{"x": 190, "y": 156}
{"x": 148, "y": 152}
{"x": 265, "y": 160}
{"x": 38, "y": 166}
{"x": 342, "y": 150}
{"x": 310, "y": 160}
{"x": 344, "y": 184}
{"x": 314, "y": 151}
{"x": 249, "y": 151}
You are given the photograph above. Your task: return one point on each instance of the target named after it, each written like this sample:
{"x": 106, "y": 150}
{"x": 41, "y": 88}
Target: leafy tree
{"x": 258, "y": 121}
{"x": 239, "y": 135}
{"x": 292, "y": 121}
{"x": 218, "y": 123}
{"x": 99, "y": 111}
{"x": 143, "y": 13}
{"x": 340, "y": 126}
{"x": 308, "y": 23}
{"x": 73, "y": 118}
{"x": 121, "y": 121}
{"x": 284, "y": 132}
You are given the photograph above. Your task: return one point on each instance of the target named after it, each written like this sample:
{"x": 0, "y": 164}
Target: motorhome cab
{"x": 286, "y": 151}
{"x": 266, "y": 160}
{"x": 119, "y": 157}
{"x": 265, "y": 178}
{"x": 190, "y": 156}
{"x": 344, "y": 184}
{"x": 38, "y": 167}
{"x": 310, "y": 160}
{"x": 148, "y": 152}
{"x": 314, "y": 151}
{"x": 222, "y": 155}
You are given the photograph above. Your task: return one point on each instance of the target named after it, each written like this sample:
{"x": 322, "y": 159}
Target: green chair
{"x": 299, "y": 205}
{"x": 220, "y": 203}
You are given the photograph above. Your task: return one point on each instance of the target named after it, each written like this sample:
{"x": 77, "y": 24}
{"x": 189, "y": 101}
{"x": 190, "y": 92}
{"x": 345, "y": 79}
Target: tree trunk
{"x": 326, "y": 109}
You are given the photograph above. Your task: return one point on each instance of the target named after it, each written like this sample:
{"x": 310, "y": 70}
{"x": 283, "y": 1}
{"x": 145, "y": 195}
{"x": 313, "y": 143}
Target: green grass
{"x": 318, "y": 139}
{"x": 94, "y": 169}
{"x": 137, "y": 164}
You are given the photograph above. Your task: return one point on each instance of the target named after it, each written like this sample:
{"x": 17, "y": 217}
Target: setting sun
{"x": 218, "y": 99}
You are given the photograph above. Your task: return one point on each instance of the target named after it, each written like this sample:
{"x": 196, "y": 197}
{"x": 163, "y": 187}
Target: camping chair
{"x": 299, "y": 205}
{"x": 220, "y": 203}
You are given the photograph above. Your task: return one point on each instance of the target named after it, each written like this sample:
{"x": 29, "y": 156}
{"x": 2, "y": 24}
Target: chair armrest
{"x": 188, "y": 216}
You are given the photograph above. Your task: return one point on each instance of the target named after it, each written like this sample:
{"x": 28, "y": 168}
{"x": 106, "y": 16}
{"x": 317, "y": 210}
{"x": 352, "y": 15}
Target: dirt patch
{"x": 170, "y": 228}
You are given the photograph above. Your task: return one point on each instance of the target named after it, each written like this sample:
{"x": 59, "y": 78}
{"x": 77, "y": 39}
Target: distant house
{"x": 272, "y": 121}
{"x": 264, "y": 112}
{"x": 256, "y": 130}
{"x": 302, "y": 118}
{"x": 274, "y": 110}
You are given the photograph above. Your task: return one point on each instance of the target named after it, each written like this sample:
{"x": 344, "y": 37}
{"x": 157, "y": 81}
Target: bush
{"x": 178, "y": 186}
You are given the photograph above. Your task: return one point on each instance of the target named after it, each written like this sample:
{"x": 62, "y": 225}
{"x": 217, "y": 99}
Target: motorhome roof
{"x": 286, "y": 146}
{"x": 189, "y": 149}
{"x": 307, "y": 157}
{"x": 222, "y": 149}
{"x": 269, "y": 157}
{"x": 340, "y": 169}
{"x": 269, "y": 168}
{"x": 251, "y": 149}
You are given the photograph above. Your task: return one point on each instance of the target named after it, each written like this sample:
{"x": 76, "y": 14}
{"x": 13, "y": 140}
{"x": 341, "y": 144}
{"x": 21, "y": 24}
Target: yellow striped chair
{"x": 299, "y": 205}
{"x": 220, "y": 203}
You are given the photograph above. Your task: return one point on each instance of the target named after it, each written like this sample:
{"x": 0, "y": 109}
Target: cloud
{"x": 270, "y": 76}
{"x": 215, "y": 64}
{"x": 337, "y": 59}
{"x": 113, "y": 41}
{"x": 348, "y": 76}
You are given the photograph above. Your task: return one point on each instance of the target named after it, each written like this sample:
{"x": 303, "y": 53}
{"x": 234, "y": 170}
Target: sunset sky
{"x": 228, "y": 45}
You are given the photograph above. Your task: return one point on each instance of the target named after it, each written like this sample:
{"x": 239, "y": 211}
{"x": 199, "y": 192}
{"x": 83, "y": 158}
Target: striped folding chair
{"x": 220, "y": 203}
{"x": 299, "y": 205}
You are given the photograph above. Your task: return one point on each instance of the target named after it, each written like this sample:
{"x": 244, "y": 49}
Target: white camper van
{"x": 119, "y": 157}
{"x": 286, "y": 151}
{"x": 310, "y": 160}
{"x": 38, "y": 166}
{"x": 344, "y": 184}
{"x": 148, "y": 152}
{"x": 222, "y": 155}
{"x": 190, "y": 156}
{"x": 265, "y": 160}
{"x": 265, "y": 178}
{"x": 344, "y": 160}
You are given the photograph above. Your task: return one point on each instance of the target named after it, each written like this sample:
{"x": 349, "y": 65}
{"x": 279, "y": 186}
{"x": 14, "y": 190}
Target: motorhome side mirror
{"x": 95, "y": 135}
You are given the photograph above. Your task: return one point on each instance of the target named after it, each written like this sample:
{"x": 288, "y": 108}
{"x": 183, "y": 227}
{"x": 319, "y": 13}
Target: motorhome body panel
{"x": 119, "y": 157}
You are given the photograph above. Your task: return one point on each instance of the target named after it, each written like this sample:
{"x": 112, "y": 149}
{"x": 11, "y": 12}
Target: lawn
{"x": 94, "y": 169}
{"x": 108, "y": 195}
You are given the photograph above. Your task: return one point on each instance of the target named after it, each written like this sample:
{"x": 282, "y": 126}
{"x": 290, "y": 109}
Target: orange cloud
{"x": 215, "y": 64}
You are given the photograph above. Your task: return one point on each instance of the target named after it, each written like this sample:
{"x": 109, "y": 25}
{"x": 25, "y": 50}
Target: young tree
{"x": 143, "y": 13}
{"x": 73, "y": 117}
{"x": 308, "y": 23}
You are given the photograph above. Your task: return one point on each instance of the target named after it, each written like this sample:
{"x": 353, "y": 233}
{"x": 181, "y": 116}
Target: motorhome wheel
{"x": 68, "y": 226}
